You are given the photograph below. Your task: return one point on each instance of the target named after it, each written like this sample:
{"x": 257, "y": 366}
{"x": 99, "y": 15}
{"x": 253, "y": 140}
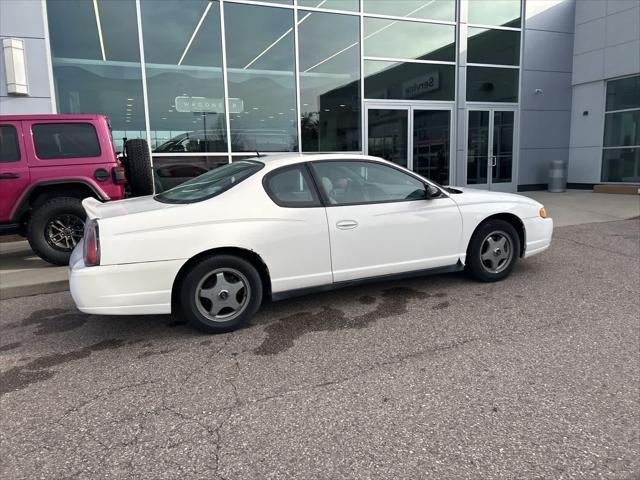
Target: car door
{"x": 380, "y": 221}
{"x": 14, "y": 169}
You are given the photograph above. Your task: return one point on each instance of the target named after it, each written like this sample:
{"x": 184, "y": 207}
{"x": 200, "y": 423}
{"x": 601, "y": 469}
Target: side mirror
{"x": 431, "y": 192}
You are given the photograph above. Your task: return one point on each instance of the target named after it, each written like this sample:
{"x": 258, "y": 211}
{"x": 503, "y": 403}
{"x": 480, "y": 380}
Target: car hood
{"x": 470, "y": 196}
{"x": 96, "y": 209}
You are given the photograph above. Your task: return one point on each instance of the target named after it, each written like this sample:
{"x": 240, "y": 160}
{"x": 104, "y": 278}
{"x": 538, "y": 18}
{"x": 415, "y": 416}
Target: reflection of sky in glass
{"x": 427, "y": 9}
{"x": 349, "y": 5}
{"x": 495, "y": 12}
{"x": 410, "y": 40}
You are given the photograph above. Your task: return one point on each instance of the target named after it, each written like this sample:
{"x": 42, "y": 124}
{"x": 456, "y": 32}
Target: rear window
{"x": 210, "y": 184}
{"x": 65, "y": 140}
{"x": 9, "y": 150}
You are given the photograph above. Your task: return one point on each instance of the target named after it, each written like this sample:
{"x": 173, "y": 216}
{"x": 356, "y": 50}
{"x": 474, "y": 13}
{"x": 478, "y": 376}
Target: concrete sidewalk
{"x": 23, "y": 274}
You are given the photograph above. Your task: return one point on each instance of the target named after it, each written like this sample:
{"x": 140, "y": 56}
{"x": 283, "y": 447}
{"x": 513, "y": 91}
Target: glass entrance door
{"x": 490, "y": 149}
{"x": 413, "y": 136}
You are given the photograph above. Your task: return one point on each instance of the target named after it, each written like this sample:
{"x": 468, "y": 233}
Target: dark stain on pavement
{"x": 440, "y": 306}
{"x": 367, "y": 300}
{"x": 53, "y": 320}
{"x": 176, "y": 323}
{"x": 150, "y": 353}
{"x": 37, "y": 370}
{"x": 9, "y": 346}
{"x": 281, "y": 335}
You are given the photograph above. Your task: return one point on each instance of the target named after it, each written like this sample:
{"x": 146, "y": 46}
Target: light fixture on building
{"x": 15, "y": 66}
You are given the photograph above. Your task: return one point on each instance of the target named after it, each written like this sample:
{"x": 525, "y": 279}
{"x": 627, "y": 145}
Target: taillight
{"x": 91, "y": 246}
{"x": 118, "y": 175}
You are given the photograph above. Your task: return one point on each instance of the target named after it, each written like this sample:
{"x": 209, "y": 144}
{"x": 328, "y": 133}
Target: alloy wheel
{"x": 222, "y": 294}
{"x": 496, "y": 252}
{"x": 63, "y": 232}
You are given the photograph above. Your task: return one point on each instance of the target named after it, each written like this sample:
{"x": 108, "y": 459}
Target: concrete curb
{"x": 35, "y": 289}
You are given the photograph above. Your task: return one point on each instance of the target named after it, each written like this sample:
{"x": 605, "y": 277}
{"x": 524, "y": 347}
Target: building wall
{"x": 545, "y": 99}
{"x": 24, "y": 19}
{"x": 607, "y": 45}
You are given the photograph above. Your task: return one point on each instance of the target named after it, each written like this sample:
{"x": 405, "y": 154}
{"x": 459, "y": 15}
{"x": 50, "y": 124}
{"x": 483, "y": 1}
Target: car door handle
{"x": 346, "y": 224}
{"x": 9, "y": 176}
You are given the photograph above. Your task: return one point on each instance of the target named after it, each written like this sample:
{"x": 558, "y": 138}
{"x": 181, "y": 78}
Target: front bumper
{"x": 538, "y": 233}
{"x": 129, "y": 289}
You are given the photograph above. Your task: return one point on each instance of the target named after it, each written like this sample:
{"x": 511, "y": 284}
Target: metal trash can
{"x": 557, "y": 177}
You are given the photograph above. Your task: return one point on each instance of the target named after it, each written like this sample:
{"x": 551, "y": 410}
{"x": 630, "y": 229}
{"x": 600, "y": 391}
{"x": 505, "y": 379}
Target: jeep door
{"x": 14, "y": 169}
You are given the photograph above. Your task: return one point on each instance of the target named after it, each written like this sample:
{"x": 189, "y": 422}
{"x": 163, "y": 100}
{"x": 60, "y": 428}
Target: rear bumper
{"x": 538, "y": 235}
{"x": 130, "y": 289}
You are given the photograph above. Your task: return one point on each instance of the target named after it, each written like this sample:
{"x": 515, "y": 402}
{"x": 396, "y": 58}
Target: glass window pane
{"x": 347, "y": 5}
{"x": 183, "y": 54}
{"x": 431, "y": 132}
{"x": 623, "y": 93}
{"x": 65, "y": 140}
{"x": 329, "y": 82}
{"x": 409, "y": 40}
{"x": 497, "y": 47}
{"x": 9, "y": 149}
{"x": 622, "y": 129}
{"x": 425, "y": 9}
{"x": 621, "y": 165}
{"x": 388, "y": 134}
{"x": 261, "y": 72}
{"x": 477, "y": 147}
{"x": 169, "y": 172}
{"x": 98, "y": 74}
{"x": 503, "y": 123}
{"x": 487, "y": 84}
{"x": 291, "y": 187}
{"x": 504, "y": 13}
{"x": 409, "y": 81}
{"x": 348, "y": 183}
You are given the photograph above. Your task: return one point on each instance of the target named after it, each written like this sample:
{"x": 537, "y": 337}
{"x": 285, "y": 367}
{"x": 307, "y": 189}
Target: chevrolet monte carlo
{"x": 217, "y": 246}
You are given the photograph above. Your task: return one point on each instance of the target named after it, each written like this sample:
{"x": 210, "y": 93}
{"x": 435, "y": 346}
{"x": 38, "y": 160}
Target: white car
{"x": 272, "y": 227}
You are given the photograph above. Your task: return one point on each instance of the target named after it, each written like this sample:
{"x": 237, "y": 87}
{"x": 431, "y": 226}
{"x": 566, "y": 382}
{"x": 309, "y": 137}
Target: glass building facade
{"x": 210, "y": 81}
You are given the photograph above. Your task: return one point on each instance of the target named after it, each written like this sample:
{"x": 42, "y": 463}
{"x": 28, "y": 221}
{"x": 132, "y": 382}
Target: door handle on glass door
{"x": 346, "y": 224}
{"x": 494, "y": 161}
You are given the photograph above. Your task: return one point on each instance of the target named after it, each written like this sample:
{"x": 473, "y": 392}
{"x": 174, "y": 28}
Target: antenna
{"x": 257, "y": 153}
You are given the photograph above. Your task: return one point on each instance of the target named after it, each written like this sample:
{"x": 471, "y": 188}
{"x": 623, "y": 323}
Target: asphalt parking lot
{"x": 437, "y": 377}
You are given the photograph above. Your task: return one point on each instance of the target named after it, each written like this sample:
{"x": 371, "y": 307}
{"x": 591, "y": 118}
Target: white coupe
{"x": 271, "y": 227}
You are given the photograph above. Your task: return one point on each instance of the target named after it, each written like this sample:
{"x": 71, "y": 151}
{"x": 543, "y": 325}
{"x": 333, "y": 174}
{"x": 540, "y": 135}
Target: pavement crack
{"x": 594, "y": 247}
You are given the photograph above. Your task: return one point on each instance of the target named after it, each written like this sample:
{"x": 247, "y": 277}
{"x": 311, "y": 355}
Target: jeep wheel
{"x": 55, "y": 229}
{"x": 138, "y": 167}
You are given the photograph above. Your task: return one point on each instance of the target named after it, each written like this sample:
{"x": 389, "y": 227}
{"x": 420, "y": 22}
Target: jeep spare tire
{"x": 138, "y": 167}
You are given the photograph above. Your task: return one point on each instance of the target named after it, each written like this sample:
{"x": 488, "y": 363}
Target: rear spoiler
{"x": 91, "y": 206}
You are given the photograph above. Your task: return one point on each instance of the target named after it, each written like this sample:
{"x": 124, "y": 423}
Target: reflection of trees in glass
{"x": 310, "y": 126}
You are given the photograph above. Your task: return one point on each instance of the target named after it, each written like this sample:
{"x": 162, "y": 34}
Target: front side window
{"x": 210, "y": 184}
{"x": 291, "y": 187}
{"x": 9, "y": 149}
{"x": 349, "y": 183}
{"x": 65, "y": 140}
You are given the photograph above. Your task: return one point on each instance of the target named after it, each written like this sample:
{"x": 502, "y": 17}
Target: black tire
{"x": 138, "y": 168}
{"x": 489, "y": 264}
{"x": 204, "y": 276}
{"x": 43, "y": 227}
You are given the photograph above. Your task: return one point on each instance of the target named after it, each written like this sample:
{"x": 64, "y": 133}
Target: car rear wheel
{"x": 493, "y": 251}
{"x": 220, "y": 294}
{"x": 55, "y": 229}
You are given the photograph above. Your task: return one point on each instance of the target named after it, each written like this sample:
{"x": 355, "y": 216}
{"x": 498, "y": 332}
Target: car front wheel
{"x": 493, "y": 251}
{"x": 221, "y": 294}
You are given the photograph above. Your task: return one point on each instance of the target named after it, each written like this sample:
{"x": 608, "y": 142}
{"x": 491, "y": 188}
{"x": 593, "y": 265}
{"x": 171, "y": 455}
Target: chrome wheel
{"x": 63, "y": 232}
{"x": 496, "y": 252}
{"x": 222, "y": 294}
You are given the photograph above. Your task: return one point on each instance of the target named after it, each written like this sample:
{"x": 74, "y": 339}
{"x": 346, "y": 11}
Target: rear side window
{"x": 291, "y": 187}
{"x": 9, "y": 149}
{"x": 65, "y": 140}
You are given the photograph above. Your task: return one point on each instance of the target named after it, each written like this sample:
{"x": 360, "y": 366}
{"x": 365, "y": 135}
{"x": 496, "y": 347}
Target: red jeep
{"x": 49, "y": 163}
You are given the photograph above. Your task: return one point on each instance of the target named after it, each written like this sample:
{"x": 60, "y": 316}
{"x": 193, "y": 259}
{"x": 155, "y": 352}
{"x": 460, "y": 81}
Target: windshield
{"x": 210, "y": 184}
